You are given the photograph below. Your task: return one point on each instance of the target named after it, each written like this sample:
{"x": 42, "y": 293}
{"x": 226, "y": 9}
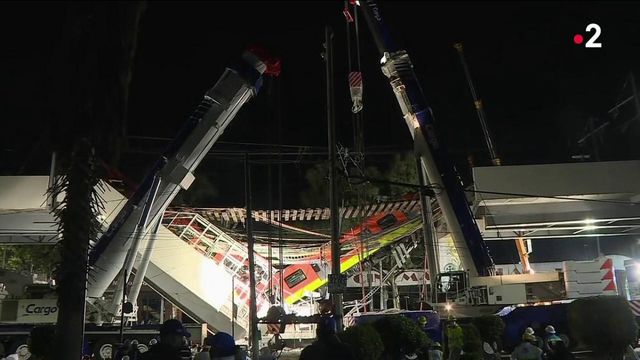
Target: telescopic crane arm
{"x": 441, "y": 174}
{"x": 174, "y": 170}
{"x": 477, "y": 102}
{"x": 521, "y": 244}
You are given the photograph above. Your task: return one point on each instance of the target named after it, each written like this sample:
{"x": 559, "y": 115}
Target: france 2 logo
{"x": 591, "y": 43}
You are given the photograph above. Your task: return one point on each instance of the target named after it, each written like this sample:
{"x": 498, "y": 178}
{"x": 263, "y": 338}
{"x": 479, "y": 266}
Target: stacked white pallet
{"x": 589, "y": 278}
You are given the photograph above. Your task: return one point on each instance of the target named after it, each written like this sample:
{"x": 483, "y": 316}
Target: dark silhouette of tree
{"x": 403, "y": 169}
{"x": 78, "y": 225}
{"x": 317, "y": 192}
{"x": 91, "y": 71}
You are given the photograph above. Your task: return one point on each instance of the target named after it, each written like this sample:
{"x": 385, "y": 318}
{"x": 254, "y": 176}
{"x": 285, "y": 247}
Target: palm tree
{"x": 78, "y": 225}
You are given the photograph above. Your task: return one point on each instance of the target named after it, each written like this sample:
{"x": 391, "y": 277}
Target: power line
{"x": 434, "y": 188}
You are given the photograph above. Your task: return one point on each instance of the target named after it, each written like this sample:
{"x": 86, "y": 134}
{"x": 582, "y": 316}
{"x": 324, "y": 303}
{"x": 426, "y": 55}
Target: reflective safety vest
{"x": 455, "y": 337}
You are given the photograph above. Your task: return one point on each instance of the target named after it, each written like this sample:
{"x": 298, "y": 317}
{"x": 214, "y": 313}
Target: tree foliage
{"x": 604, "y": 323}
{"x": 405, "y": 170}
{"x": 491, "y": 328}
{"x": 317, "y": 192}
{"x": 78, "y": 225}
{"x": 39, "y": 259}
{"x": 400, "y": 336}
{"x": 364, "y": 340}
{"x": 472, "y": 342}
{"x": 402, "y": 169}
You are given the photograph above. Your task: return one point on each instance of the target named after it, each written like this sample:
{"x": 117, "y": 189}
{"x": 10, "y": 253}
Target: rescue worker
{"x": 435, "y": 351}
{"x": 550, "y": 338}
{"x": 455, "y": 339}
{"x": 558, "y": 351}
{"x": 538, "y": 341}
{"x": 527, "y": 350}
{"x": 172, "y": 344}
{"x": 327, "y": 344}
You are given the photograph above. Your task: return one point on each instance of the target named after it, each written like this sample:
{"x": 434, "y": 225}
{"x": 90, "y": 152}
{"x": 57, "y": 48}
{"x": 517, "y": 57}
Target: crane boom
{"x": 237, "y": 85}
{"x": 521, "y": 245}
{"x": 477, "y": 102}
{"x": 441, "y": 173}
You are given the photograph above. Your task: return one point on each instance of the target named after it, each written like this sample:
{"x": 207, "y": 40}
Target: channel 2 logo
{"x": 578, "y": 39}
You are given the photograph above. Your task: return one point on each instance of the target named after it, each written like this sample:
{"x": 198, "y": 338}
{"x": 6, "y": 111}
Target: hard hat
{"x": 436, "y": 345}
{"x": 529, "y": 331}
{"x": 550, "y": 329}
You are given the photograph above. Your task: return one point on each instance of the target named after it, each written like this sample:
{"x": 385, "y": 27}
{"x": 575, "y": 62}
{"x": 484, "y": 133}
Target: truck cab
{"x": 451, "y": 286}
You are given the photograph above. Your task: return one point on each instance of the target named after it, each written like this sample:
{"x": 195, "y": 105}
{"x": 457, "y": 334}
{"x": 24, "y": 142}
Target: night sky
{"x": 538, "y": 87}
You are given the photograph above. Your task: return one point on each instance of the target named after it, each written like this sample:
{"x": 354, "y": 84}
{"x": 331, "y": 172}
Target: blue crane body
{"x": 436, "y": 162}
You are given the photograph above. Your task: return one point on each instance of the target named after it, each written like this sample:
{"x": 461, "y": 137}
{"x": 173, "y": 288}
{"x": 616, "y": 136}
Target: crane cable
{"x": 355, "y": 89}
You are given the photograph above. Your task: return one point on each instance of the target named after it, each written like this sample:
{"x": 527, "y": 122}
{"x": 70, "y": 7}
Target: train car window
{"x": 388, "y": 220}
{"x": 316, "y": 267}
{"x": 296, "y": 278}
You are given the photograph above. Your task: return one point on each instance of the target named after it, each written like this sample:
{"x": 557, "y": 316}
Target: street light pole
{"x": 335, "y": 280}
{"x": 253, "y": 316}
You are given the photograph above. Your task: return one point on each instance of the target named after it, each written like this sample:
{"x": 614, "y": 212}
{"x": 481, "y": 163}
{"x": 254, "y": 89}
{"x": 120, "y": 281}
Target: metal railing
{"x": 367, "y": 299}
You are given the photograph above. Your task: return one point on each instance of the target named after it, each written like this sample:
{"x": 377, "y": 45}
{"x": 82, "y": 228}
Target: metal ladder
{"x": 400, "y": 258}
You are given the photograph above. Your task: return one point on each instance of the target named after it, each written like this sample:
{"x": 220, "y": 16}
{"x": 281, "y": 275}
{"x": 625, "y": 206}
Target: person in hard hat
{"x": 538, "y": 341}
{"x": 327, "y": 344}
{"x": 558, "y": 351}
{"x": 550, "y": 338}
{"x": 435, "y": 351}
{"x": 527, "y": 350}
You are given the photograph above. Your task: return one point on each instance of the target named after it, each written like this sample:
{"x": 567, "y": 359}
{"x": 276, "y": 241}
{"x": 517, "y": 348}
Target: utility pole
{"x": 336, "y": 283}
{"x": 253, "y": 311}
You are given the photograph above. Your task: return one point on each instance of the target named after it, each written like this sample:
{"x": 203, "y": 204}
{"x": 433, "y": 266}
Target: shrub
{"x": 604, "y": 323}
{"x": 472, "y": 345}
{"x": 400, "y": 336}
{"x": 364, "y": 340}
{"x": 491, "y": 328}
